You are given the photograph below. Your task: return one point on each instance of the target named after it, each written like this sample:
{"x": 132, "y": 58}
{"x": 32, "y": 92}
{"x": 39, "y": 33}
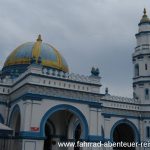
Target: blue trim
{"x": 3, "y": 103}
{"x": 143, "y": 32}
{"x": 1, "y": 119}
{"x": 106, "y": 115}
{"x": 4, "y": 85}
{"x": 31, "y": 135}
{"x": 16, "y": 109}
{"x": 39, "y": 97}
{"x": 36, "y": 135}
{"x": 140, "y": 55}
{"x": 31, "y": 96}
{"x": 138, "y": 82}
{"x": 5, "y": 132}
{"x": 109, "y": 115}
{"x": 70, "y": 108}
{"x": 142, "y": 23}
{"x": 141, "y": 77}
{"x": 125, "y": 121}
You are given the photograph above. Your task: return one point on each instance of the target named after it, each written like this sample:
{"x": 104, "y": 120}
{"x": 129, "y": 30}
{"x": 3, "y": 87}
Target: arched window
{"x": 146, "y": 93}
{"x": 134, "y": 95}
{"x": 136, "y": 70}
{"x": 15, "y": 120}
{"x": 15, "y": 124}
{"x": 1, "y": 119}
{"x": 148, "y": 132}
{"x": 146, "y": 67}
{"x": 102, "y": 130}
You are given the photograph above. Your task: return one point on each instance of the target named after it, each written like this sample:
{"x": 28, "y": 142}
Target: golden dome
{"x": 25, "y": 53}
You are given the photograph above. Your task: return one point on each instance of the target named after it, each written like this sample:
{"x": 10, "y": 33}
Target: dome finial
{"x": 39, "y": 38}
{"x": 144, "y": 11}
{"x": 145, "y": 18}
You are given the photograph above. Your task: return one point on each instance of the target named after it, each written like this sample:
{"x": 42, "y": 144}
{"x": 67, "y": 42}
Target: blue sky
{"x": 88, "y": 33}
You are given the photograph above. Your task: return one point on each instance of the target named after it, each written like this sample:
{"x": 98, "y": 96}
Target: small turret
{"x": 106, "y": 91}
{"x": 94, "y": 72}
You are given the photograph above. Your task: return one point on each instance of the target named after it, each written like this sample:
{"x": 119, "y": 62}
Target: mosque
{"x": 41, "y": 103}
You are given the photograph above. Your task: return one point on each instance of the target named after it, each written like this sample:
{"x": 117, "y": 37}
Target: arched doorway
{"x": 15, "y": 124}
{"x": 15, "y": 121}
{"x": 63, "y": 125}
{"x": 124, "y": 131}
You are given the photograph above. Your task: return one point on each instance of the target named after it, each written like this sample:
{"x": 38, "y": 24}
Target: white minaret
{"x": 141, "y": 61}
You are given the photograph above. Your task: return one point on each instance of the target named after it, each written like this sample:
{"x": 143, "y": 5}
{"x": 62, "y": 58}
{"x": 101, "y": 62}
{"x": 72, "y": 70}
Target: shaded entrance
{"x": 124, "y": 133}
{"x": 62, "y": 126}
{"x": 15, "y": 124}
{"x": 48, "y": 134}
{"x": 77, "y": 136}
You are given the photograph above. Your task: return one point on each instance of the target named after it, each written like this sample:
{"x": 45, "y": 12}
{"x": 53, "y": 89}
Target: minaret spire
{"x": 144, "y": 11}
{"x": 145, "y": 18}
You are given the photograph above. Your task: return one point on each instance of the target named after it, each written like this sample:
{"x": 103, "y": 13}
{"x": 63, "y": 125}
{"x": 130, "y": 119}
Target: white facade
{"x": 46, "y": 106}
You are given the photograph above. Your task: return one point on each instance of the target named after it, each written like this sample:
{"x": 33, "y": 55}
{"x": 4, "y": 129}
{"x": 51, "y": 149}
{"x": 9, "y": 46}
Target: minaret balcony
{"x": 141, "y": 79}
{"x": 143, "y": 49}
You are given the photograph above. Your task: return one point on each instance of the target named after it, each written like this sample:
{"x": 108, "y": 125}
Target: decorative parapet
{"x": 71, "y": 76}
{"x": 120, "y": 103}
{"x": 120, "y": 99}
